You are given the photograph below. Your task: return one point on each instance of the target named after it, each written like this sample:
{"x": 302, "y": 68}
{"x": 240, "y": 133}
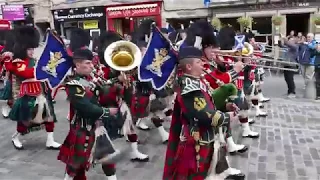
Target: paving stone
{"x": 288, "y": 147}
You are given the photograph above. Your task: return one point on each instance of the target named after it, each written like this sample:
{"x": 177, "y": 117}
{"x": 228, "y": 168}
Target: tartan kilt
{"x": 185, "y": 162}
{"x": 139, "y": 106}
{"x": 76, "y": 148}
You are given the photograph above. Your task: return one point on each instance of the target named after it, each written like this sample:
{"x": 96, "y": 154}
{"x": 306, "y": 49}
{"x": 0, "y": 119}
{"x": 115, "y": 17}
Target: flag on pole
{"x": 54, "y": 63}
{"x": 239, "y": 41}
{"x": 159, "y": 61}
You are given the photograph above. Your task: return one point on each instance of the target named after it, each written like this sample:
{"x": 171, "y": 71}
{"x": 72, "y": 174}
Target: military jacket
{"x": 84, "y": 104}
{"x": 198, "y": 107}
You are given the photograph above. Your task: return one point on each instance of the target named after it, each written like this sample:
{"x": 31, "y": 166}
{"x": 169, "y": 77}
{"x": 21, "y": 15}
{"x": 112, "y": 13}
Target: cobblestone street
{"x": 288, "y": 147}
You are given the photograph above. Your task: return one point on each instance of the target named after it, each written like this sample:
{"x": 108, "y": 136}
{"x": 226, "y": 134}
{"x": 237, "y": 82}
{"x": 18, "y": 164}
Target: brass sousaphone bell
{"x": 123, "y": 55}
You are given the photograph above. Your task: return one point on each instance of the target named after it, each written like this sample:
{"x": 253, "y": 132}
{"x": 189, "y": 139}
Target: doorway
{"x": 301, "y": 26}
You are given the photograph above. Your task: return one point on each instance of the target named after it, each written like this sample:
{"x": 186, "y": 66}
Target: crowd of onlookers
{"x": 305, "y": 51}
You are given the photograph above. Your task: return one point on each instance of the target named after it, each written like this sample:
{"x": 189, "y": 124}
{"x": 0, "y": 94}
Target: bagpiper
{"x": 217, "y": 71}
{"x": 195, "y": 121}
{"x": 80, "y": 145}
{"x": 32, "y": 108}
{"x": 6, "y": 61}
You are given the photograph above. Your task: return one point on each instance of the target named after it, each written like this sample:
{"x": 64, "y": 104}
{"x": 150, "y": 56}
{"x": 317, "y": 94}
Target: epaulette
{"x": 17, "y": 60}
{"x": 189, "y": 85}
{"x": 75, "y": 83}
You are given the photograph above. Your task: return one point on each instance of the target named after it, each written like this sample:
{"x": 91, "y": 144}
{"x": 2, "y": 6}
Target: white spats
{"x": 51, "y": 144}
{"x": 5, "y": 111}
{"x": 136, "y": 155}
{"x": 163, "y": 134}
{"x": 262, "y": 98}
{"x": 16, "y": 142}
{"x": 141, "y": 124}
{"x": 67, "y": 177}
{"x": 246, "y": 131}
{"x": 251, "y": 120}
{"x": 259, "y": 112}
{"x": 234, "y": 148}
{"x": 114, "y": 177}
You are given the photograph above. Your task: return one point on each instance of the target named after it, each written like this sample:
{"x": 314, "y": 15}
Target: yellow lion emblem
{"x": 161, "y": 56}
{"x": 55, "y": 59}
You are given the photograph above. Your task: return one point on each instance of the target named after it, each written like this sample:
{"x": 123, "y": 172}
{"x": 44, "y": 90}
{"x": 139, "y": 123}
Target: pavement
{"x": 288, "y": 147}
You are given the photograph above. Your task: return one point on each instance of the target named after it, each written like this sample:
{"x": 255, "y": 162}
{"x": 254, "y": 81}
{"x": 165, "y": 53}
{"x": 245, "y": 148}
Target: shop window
{"x": 230, "y": 22}
{"x": 262, "y": 25}
{"x": 138, "y": 20}
{"x": 176, "y": 23}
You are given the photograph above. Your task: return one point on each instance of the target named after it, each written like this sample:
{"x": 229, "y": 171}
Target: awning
{"x": 142, "y": 6}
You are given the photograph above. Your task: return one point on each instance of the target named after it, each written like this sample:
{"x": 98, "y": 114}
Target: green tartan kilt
{"x": 25, "y": 109}
{"x": 6, "y": 91}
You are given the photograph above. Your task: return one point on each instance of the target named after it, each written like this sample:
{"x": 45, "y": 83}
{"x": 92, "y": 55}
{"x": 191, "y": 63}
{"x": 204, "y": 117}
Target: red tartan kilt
{"x": 72, "y": 150}
{"x": 186, "y": 165}
{"x": 251, "y": 76}
{"x": 239, "y": 83}
{"x": 110, "y": 98}
{"x": 139, "y": 106}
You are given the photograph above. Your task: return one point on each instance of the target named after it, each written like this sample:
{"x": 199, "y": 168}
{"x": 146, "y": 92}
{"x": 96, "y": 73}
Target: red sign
{"x": 134, "y": 12}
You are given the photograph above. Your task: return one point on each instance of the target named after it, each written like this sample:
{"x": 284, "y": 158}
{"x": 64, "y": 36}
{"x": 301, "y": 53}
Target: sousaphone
{"x": 123, "y": 56}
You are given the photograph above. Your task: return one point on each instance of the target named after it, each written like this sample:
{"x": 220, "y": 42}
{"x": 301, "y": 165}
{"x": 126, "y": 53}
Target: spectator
{"x": 291, "y": 35}
{"x": 301, "y": 38}
{"x": 307, "y": 57}
{"x": 317, "y": 72}
{"x": 291, "y": 56}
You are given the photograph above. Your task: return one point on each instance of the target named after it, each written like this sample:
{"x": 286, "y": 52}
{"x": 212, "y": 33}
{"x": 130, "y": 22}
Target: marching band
{"x": 212, "y": 84}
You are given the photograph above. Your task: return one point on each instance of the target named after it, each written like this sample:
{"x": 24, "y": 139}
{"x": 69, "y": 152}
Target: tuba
{"x": 123, "y": 56}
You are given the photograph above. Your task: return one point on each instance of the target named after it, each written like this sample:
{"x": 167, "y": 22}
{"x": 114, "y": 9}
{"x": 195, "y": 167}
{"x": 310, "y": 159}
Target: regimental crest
{"x": 56, "y": 58}
{"x": 160, "y": 57}
{"x": 54, "y": 62}
{"x": 159, "y": 61}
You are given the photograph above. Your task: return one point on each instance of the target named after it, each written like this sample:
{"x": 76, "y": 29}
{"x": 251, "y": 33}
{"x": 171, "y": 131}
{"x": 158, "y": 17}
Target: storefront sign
{"x": 78, "y": 14}
{"x": 92, "y": 24}
{"x": 134, "y": 12}
{"x": 13, "y": 12}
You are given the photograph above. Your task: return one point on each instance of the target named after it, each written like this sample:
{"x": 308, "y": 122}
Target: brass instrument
{"x": 123, "y": 56}
{"x": 247, "y": 52}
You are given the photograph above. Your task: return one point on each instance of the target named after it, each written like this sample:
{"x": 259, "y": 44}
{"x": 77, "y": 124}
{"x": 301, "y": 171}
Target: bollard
{"x": 310, "y": 91}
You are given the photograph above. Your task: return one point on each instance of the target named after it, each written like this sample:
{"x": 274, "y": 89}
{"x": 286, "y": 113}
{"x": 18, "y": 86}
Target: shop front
{"x": 91, "y": 19}
{"x": 18, "y": 14}
{"x": 124, "y": 19}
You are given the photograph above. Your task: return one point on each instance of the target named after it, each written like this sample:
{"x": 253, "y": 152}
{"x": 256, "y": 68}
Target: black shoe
{"x": 236, "y": 177}
{"x": 243, "y": 150}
